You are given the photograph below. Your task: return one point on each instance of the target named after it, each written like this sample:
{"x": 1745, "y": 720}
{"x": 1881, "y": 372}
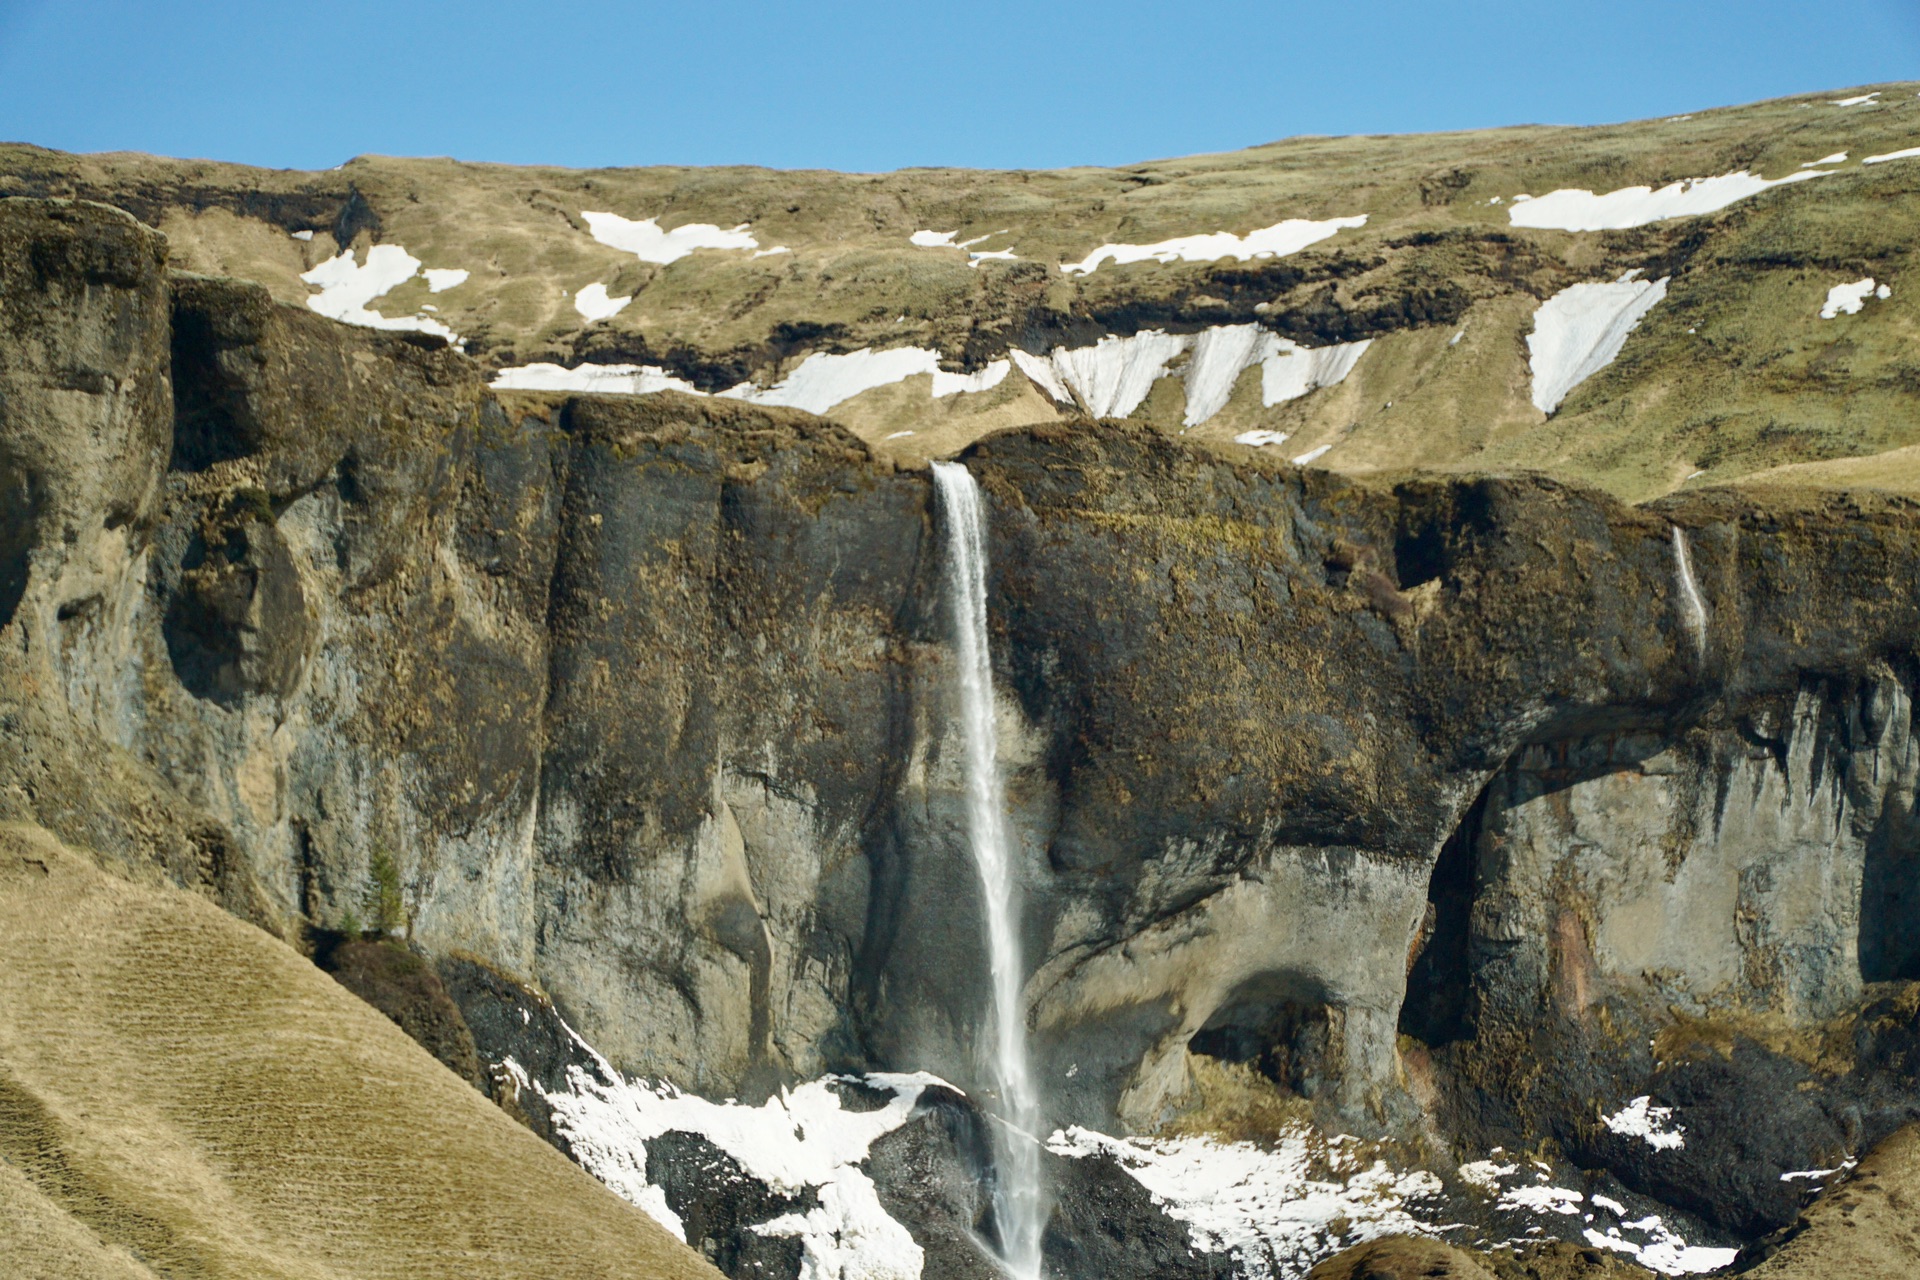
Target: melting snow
{"x": 1574, "y": 210}
{"x": 347, "y": 287}
{"x": 1276, "y": 241}
{"x": 1114, "y": 375}
{"x": 1287, "y": 370}
{"x": 823, "y": 381}
{"x": 1838, "y": 157}
{"x": 611, "y": 379}
{"x": 1855, "y": 102}
{"x": 933, "y": 239}
{"x": 1908, "y": 154}
{"x": 441, "y": 279}
{"x": 1040, "y": 370}
{"x": 995, "y": 255}
{"x": 646, "y": 241}
{"x": 768, "y": 253}
{"x": 593, "y": 303}
{"x": 1659, "y": 1247}
{"x": 947, "y": 384}
{"x": 1847, "y": 299}
{"x": 1842, "y": 1167}
{"x": 1579, "y": 331}
{"x": 1264, "y": 1205}
{"x": 303, "y": 235}
{"x": 801, "y": 1138}
{"x": 1667, "y": 1253}
{"x": 1259, "y": 439}
{"x": 1640, "y": 1118}
{"x": 1311, "y": 455}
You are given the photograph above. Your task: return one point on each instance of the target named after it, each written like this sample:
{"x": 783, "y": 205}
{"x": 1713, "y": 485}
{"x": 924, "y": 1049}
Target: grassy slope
{"x": 1733, "y": 375}
{"x": 182, "y": 1095}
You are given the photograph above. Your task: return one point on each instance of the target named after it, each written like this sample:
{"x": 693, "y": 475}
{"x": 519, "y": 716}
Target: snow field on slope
{"x": 1576, "y": 210}
{"x": 1580, "y": 330}
{"x": 348, "y": 287}
{"x": 607, "y": 379}
{"x": 1277, "y": 241}
{"x": 1848, "y": 299}
{"x": 646, "y": 241}
{"x": 593, "y": 303}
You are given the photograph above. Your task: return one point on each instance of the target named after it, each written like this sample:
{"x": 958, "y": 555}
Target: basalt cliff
{"x": 1492, "y": 824}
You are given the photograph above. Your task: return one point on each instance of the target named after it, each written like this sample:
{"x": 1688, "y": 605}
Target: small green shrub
{"x": 384, "y": 903}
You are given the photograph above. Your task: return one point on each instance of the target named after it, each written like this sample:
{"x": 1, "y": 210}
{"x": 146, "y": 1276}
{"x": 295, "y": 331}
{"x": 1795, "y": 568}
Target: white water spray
{"x": 1693, "y": 609}
{"x": 1019, "y": 1204}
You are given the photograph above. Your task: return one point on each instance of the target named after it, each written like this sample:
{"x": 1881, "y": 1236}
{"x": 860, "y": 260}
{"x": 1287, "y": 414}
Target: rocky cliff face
{"x": 1451, "y": 813}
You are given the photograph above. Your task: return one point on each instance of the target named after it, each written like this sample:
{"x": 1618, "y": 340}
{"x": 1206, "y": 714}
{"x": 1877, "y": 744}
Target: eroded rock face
{"x": 1446, "y": 805}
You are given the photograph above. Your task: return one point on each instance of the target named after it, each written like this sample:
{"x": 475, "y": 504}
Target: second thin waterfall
{"x": 1019, "y": 1206}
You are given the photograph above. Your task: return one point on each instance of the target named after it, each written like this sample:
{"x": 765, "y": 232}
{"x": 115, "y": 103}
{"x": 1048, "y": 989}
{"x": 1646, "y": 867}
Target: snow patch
{"x": 1657, "y": 1247}
{"x": 1114, "y": 375}
{"x": 801, "y": 1138}
{"x": 1040, "y": 371}
{"x": 441, "y": 279}
{"x": 1260, "y": 439}
{"x": 1312, "y": 455}
{"x": 1277, "y": 1209}
{"x": 608, "y": 379}
{"x": 1666, "y": 1253}
{"x": 1800, "y": 1174}
{"x": 1838, "y": 157}
{"x": 1862, "y": 100}
{"x": 1848, "y": 299}
{"x": 947, "y": 384}
{"x": 823, "y": 381}
{"x": 593, "y": 303}
{"x": 303, "y": 235}
{"x": 933, "y": 239}
{"x": 1276, "y": 241}
{"x": 646, "y": 241}
{"x": 348, "y": 287}
{"x": 768, "y": 253}
{"x": 1640, "y": 1118}
{"x": 1575, "y": 210}
{"x": 1907, "y": 154}
{"x": 1580, "y": 330}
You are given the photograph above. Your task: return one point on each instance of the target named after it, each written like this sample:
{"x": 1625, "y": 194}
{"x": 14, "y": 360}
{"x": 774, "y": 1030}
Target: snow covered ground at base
{"x": 1276, "y": 1209}
{"x": 1580, "y": 330}
{"x": 347, "y": 288}
{"x": 1575, "y": 210}
{"x": 1523, "y": 1189}
{"x": 646, "y": 241}
{"x": 800, "y": 1139}
{"x": 1276, "y": 241}
{"x": 1848, "y": 299}
{"x": 608, "y": 379}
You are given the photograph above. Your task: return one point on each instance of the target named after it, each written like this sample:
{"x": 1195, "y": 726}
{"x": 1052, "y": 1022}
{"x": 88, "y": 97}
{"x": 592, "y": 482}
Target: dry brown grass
{"x": 183, "y": 1095}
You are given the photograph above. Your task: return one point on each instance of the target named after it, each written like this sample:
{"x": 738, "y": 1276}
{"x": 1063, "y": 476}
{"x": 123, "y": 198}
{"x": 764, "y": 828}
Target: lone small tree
{"x": 384, "y": 903}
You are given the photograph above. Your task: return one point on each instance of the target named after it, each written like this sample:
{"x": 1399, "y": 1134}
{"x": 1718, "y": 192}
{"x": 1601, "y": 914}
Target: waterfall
{"x": 1019, "y": 1205}
{"x": 1693, "y": 609}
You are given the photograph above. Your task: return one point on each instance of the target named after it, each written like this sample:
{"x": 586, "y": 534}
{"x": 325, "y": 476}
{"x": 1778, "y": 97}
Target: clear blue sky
{"x": 879, "y": 84}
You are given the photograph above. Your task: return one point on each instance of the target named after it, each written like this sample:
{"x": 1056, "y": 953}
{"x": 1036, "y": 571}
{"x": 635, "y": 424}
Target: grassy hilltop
{"x": 1734, "y": 375}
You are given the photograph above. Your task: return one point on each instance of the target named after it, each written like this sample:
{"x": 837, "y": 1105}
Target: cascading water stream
{"x": 1019, "y": 1204}
{"x": 1693, "y": 606}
